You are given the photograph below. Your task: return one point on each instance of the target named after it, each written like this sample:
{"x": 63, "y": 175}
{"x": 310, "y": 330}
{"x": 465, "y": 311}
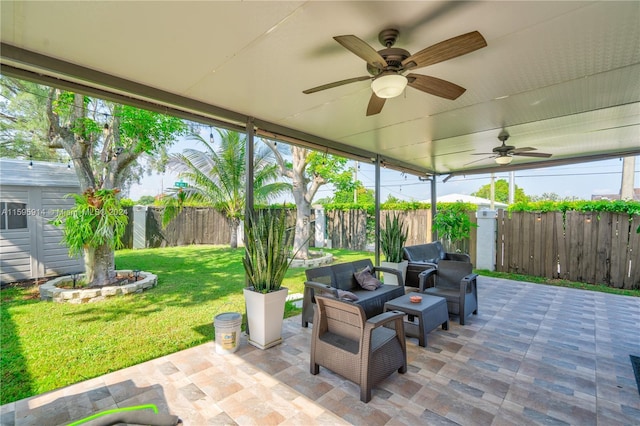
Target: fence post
{"x": 139, "y": 227}
{"x": 320, "y": 226}
{"x": 486, "y": 240}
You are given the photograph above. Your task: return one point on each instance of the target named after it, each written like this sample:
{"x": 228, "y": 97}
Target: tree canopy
{"x": 501, "y": 192}
{"x": 103, "y": 141}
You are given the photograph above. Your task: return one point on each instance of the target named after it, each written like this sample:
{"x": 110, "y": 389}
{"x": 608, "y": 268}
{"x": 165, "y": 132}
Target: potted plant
{"x": 267, "y": 251}
{"x": 392, "y": 239}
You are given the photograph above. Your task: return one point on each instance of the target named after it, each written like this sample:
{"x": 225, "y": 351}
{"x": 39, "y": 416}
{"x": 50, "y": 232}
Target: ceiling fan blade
{"x": 375, "y": 105}
{"x": 524, "y": 149}
{"x": 435, "y": 86}
{"x": 532, "y": 154}
{"x": 448, "y": 49}
{"x": 477, "y": 161}
{"x": 362, "y": 49}
{"x": 483, "y": 153}
{"x": 336, "y": 84}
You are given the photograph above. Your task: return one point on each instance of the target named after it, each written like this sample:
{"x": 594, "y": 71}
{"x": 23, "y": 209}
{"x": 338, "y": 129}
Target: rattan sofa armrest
{"x": 384, "y": 318}
{"x": 323, "y": 288}
{"x": 467, "y": 283}
{"x": 424, "y": 276}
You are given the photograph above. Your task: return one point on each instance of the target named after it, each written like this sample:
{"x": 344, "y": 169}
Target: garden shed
{"x": 31, "y": 194}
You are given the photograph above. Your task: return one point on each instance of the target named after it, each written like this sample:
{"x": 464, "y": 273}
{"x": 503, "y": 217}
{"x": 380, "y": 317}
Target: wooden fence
{"x": 194, "y": 225}
{"x": 585, "y": 247}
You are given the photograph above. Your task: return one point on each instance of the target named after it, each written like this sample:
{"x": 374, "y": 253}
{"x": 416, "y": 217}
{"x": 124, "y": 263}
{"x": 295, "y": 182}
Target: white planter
{"x": 392, "y": 279}
{"x": 265, "y": 313}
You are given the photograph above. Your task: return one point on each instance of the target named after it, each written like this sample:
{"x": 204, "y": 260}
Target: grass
{"x": 46, "y": 346}
{"x": 560, "y": 283}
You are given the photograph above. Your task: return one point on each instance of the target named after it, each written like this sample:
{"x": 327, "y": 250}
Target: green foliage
{"x": 23, "y": 124}
{"x": 96, "y": 219}
{"x": 404, "y": 205}
{"x": 268, "y": 246}
{"x": 147, "y": 131}
{"x": 86, "y": 128}
{"x": 392, "y": 238}
{"x": 501, "y": 192}
{"x": 126, "y": 202}
{"x": 452, "y": 222}
{"x": 326, "y": 166}
{"x": 612, "y": 206}
{"x": 146, "y": 200}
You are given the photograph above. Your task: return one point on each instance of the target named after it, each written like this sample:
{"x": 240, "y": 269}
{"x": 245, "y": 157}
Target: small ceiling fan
{"x": 387, "y": 66}
{"x": 504, "y": 153}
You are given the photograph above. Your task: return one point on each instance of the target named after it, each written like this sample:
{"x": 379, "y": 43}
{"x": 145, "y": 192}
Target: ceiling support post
{"x": 250, "y": 130}
{"x": 434, "y": 210}
{"x": 377, "y": 210}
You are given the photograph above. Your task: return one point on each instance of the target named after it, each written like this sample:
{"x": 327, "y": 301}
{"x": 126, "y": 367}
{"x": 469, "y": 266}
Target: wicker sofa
{"x": 329, "y": 279}
{"x": 426, "y": 256}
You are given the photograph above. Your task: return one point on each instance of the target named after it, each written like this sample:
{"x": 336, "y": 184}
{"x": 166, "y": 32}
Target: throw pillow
{"x": 344, "y": 294}
{"x": 366, "y": 279}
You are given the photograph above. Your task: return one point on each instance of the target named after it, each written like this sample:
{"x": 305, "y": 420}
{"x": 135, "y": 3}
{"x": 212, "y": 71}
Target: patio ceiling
{"x": 562, "y": 77}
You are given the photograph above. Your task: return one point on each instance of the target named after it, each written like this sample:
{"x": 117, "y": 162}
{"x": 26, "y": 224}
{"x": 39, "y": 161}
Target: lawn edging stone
{"x": 50, "y": 291}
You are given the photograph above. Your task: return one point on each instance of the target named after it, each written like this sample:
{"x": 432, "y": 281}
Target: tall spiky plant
{"x": 268, "y": 249}
{"x": 392, "y": 239}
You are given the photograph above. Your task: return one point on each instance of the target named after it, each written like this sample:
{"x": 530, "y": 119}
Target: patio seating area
{"x": 534, "y": 354}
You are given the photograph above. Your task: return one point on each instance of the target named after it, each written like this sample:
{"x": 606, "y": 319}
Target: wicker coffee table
{"x": 430, "y": 312}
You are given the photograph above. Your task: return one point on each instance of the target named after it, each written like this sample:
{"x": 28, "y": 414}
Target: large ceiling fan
{"x": 504, "y": 153}
{"x": 387, "y": 66}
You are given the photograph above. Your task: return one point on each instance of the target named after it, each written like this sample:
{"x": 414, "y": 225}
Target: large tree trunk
{"x": 301, "y": 240}
{"x": 99, "y": 265}
{"x": 233, "y": 225}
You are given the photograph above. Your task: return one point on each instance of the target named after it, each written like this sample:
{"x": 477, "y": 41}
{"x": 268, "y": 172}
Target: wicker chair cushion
{"x": 366, "y": 279}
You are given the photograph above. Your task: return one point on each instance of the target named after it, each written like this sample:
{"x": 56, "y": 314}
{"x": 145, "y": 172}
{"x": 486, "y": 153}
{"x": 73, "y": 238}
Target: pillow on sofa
{"x": 344, "y": 294}
{"x": 366, "y": 279}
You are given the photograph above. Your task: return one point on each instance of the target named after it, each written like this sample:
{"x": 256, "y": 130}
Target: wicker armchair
{"x": 363, "y": 351}
{"x": 456, "y": 282}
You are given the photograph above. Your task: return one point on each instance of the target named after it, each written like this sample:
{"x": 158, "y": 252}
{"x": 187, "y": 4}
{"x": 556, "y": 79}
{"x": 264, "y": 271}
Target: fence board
{"x": 500, "y": 240}
{"x": 619, "y": 238}
{"x": 603, "y": 250}
{"x": 549, "y": 255}
{"x": 632, "y": 280}
{"x": 591, "y": 225}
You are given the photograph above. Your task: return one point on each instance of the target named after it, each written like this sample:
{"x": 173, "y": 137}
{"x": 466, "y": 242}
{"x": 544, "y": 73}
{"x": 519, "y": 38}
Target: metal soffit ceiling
{"x": 563, "y": 77}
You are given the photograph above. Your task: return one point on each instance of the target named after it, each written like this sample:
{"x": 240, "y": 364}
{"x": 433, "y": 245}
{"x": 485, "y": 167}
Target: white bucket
{"x": 227, "y": 327}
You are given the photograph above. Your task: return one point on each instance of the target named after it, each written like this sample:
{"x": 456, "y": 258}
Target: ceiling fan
{"x": 504, "y": 153}
{"x": 387, "y": 66}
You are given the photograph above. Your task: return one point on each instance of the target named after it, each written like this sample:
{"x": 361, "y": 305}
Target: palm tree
{"x": 217, "y": 176}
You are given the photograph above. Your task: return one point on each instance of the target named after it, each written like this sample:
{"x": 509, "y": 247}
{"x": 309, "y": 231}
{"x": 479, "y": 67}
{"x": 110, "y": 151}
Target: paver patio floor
{"x": 534, "y": 355}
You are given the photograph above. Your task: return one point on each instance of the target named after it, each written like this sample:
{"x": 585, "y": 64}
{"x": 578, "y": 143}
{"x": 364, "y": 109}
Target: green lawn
{"x": 50, "y": 345}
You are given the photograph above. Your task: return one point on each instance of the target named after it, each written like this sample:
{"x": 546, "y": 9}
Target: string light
{"x": 30, "y": 162}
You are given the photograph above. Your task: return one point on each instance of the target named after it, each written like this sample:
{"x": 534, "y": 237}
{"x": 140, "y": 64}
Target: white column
{"x": 320, "y": 227}
{"x": 139, "y": 227}
{"x": 486, "y": 241}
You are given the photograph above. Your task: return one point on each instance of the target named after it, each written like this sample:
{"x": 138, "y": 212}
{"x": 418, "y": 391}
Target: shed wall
{"x": 36, "y": 251}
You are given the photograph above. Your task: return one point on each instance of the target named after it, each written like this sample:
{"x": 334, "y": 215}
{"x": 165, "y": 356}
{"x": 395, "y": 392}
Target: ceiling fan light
{"x": 504, "y": 159}
{"x": 389, "y": 85}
